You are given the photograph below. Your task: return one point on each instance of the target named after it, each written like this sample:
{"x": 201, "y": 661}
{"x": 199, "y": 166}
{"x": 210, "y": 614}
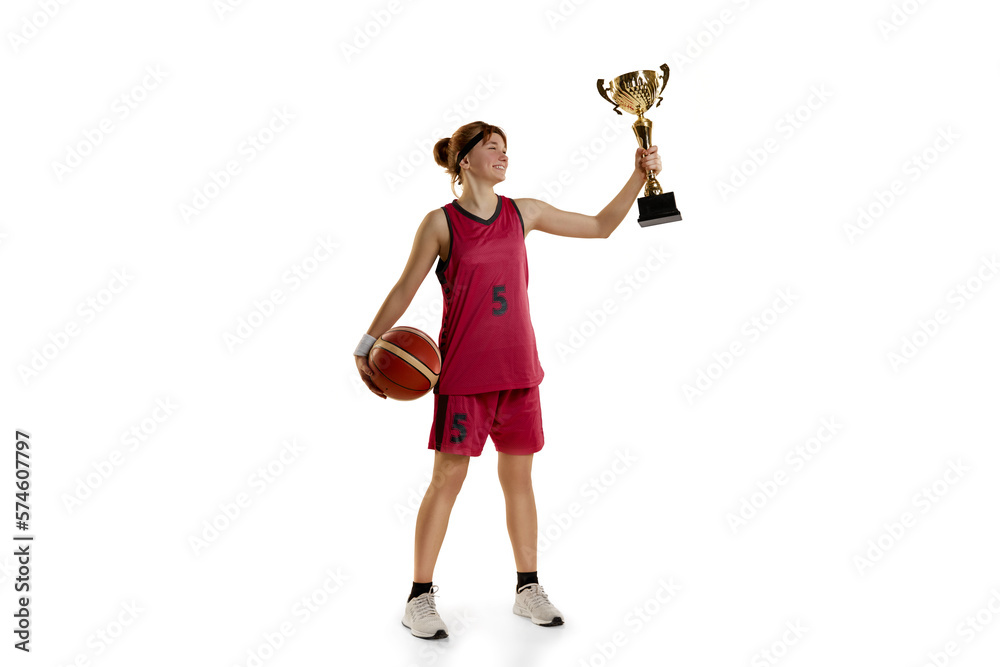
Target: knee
{"x": 449, "y": 477}
{"x": 515, "y": 482}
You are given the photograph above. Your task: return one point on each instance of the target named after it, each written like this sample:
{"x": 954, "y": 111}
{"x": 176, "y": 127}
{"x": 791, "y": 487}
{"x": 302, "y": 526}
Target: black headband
{"x": 468, "y": 147}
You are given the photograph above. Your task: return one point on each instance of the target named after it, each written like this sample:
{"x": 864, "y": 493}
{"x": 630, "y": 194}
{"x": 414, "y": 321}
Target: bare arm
{"x": 612, "y": 215}
{"x": 547, "y": 218}
{"x": 426, "y": 246}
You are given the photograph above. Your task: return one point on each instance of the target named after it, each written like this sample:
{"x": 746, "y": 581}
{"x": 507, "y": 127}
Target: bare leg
{"x": 514, "y": 471}
{"x": 435, "y": 510}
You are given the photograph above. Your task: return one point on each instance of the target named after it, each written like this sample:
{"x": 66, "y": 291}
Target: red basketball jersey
{"x": 487, "y": 341}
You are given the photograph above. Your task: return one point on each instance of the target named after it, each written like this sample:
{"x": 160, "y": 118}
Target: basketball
{"x": 405, "y": 363}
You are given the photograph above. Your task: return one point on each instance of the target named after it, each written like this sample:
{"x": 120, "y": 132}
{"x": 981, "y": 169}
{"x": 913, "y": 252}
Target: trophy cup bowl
{"x": 636, "y": 92}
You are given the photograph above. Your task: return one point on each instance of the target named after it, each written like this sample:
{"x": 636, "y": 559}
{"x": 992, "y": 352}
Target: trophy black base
{"x": 657, "y": 209}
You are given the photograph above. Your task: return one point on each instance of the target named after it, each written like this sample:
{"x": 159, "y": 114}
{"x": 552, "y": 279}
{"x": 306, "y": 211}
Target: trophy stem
{"x": 643, "y": 128}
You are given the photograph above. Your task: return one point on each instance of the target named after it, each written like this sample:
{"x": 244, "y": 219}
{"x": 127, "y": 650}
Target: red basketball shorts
{"x": 511, "y": 417}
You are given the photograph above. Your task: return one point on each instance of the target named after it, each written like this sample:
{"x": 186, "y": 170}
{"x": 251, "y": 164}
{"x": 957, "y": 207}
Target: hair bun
{"x": 441, "y": 152}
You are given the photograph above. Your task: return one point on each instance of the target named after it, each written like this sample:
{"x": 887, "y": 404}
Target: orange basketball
{"x": 405, "y": 363}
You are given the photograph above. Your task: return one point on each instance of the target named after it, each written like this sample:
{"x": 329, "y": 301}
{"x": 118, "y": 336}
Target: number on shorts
{"x": 458, "y": 426}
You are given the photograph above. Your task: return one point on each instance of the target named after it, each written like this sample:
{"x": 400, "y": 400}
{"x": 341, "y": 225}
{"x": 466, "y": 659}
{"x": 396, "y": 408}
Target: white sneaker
{"x": 532, "y": 602}
{"x": 422, "y": 618}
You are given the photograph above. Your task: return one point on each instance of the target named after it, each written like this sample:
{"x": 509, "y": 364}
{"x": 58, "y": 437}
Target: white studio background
{"x": 824, "y": 496}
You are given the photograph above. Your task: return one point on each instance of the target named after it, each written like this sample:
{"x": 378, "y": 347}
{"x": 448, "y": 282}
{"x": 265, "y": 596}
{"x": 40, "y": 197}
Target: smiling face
{"x": 488, "y": 160}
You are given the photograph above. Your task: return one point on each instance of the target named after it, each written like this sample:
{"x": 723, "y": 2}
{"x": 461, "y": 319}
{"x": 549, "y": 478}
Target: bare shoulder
{"x": 434, "y": 222}
{"x": 435, "y": 225}
{"x": 435, "y": 218}
{"x": 530, "y": 210}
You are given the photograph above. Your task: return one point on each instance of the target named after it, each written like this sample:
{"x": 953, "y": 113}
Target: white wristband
{"x": 365, "y": 345}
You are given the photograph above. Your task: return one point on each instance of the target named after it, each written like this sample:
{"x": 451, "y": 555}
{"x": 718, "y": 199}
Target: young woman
{"x": 491, "y": 372}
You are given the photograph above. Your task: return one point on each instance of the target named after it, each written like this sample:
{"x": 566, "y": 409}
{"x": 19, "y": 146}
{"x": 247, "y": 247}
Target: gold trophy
{"x": 635, "y": 92}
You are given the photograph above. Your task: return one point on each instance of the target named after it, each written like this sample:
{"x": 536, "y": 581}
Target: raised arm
{"x": 547, "y": 218}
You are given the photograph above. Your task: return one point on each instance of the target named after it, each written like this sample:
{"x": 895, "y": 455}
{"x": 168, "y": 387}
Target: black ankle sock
{"x": 419, "y": 589}
{"x": 525, "y": 578}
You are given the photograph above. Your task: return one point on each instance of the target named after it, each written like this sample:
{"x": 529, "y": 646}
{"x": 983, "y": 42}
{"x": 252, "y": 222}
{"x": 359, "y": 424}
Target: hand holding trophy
{"x": 635, "y": 92}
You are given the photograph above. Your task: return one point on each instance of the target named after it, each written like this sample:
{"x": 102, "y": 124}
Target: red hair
{"x": 446, "y": 150}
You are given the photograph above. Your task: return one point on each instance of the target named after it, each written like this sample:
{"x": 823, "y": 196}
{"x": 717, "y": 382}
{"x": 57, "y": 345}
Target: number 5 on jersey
{"x": 498, "y": 298}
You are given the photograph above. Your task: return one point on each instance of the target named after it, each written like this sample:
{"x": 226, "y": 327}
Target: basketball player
{"x": 490, "y": 369}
